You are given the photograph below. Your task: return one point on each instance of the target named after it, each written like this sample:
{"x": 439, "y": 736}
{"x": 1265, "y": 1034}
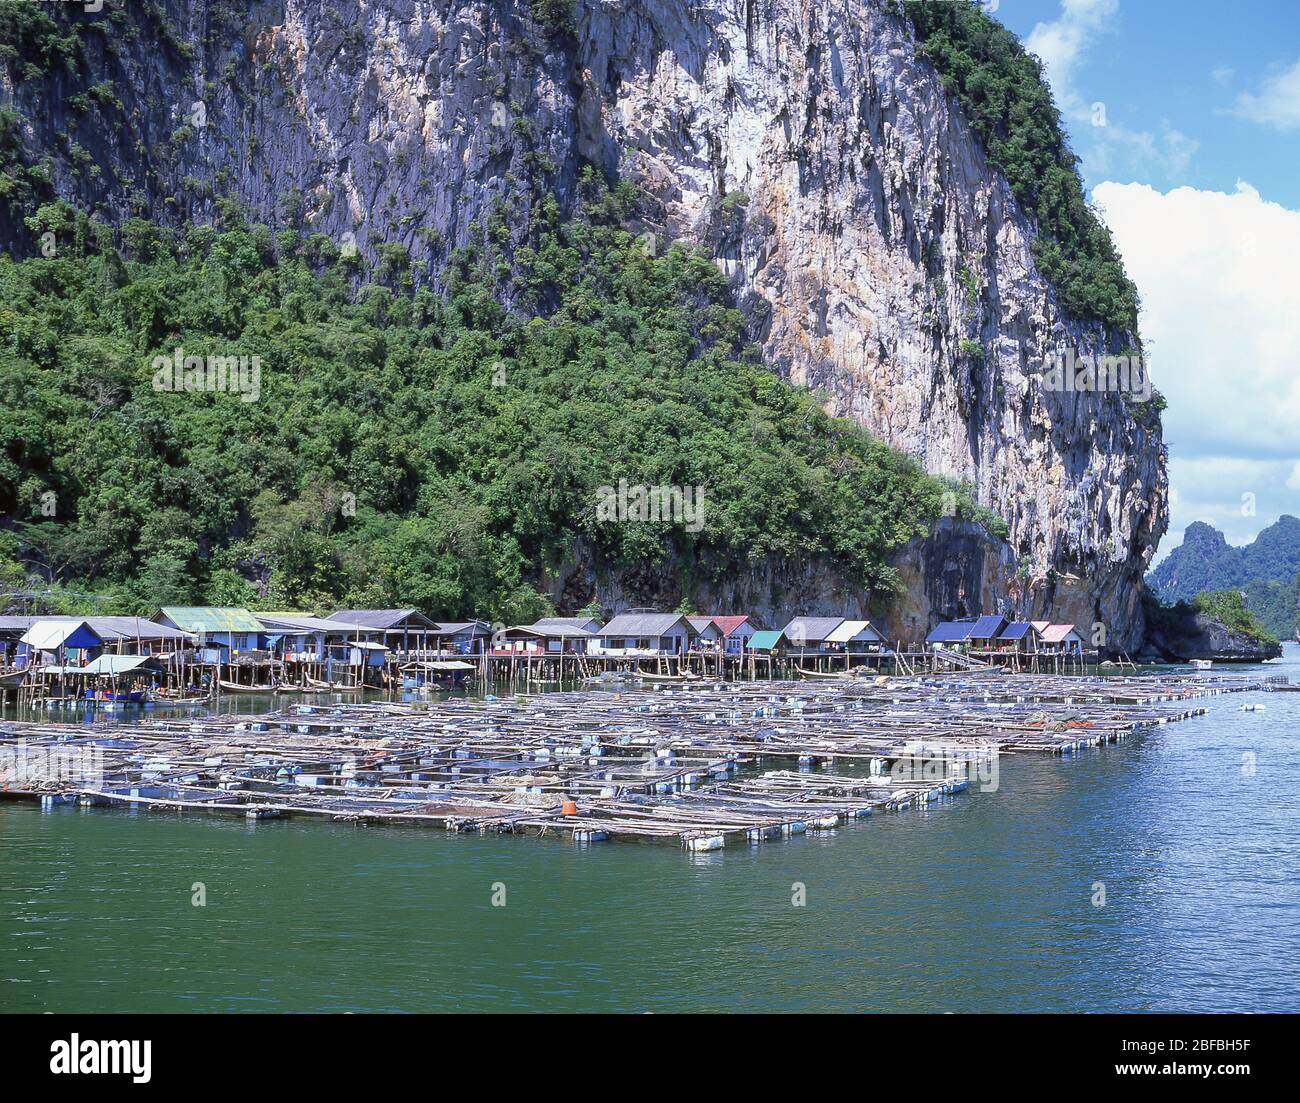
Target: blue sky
{"x": 1186, "y": 117}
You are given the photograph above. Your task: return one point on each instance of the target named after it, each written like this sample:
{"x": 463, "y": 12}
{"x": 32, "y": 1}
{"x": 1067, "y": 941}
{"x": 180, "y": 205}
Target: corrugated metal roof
{"x": 727, "y": 625}
{"x": 854, "y": 631}
{"x": 132, "y": 628}
{"x": 987, "y": 627}
{"x": 591, "y": 624}
{"x": 950, "y": 631}
{"x": 764, "y": 641}
{"x": 383, "y": 618}
{"x": 1059, "y": 633}
{"x": 302, "y": 622}
{"x": 811, "y": 629}
{"x": 110, "y": 629}
{"x": 645, "y": 624}
{"x": 121, "y": 664}
{"x": 1017, "y": 630}
{"x": 464, "y": 627}
{"x": 207, "y": 618}
{"x": 703, "y": 624}
{"x": 554, "y": 631}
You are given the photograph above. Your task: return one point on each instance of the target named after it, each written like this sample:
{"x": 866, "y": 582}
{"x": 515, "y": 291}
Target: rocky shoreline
{"x": 1193, "y": 635}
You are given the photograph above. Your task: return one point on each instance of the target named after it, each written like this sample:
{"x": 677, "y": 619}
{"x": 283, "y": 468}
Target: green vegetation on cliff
{"x": 32, "y": 44}
{"x": 1002, "y": 91}
{"x": 406, "y": 448}
{"x": 1227, "y": 607}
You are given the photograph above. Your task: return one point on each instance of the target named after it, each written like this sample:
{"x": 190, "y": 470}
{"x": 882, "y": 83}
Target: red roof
{"x": 1056, "y": 633}
{"x": 727, "y": 625}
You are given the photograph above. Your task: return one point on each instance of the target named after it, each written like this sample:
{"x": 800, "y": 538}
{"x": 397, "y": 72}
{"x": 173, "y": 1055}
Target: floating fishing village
{"x": 198, "y": 654}
{"x": 700, "y": 763}
{"x": 699, "y": 730}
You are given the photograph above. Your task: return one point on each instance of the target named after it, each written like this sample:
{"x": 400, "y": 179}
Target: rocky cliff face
{"x": 875, "y": 253}
{"x": 957, "y": 570}
{"x": 770, "y": 589}
{"x": 1197, "y": 636}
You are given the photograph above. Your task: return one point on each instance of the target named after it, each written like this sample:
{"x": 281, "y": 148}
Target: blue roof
{"x": 1017, "y": 630}
{"x": 987, "y": 627}
{"x": 970, "y": 628}
{"x": 763, "y": 641}
{"x": 950, "y": 631}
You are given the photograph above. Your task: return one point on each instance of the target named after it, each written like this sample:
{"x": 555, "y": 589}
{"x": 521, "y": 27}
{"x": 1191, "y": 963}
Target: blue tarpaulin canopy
{"x": 50, "y": 635}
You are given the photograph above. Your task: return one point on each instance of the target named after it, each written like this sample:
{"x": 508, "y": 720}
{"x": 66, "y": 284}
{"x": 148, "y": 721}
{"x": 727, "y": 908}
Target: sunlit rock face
{"x": 874, "y": 252}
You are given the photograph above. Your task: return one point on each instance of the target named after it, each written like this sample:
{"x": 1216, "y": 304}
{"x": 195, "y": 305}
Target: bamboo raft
{"x": 700, "y": 764}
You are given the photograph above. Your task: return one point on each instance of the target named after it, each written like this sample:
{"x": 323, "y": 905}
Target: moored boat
{"x": 316, "y": 683}
{"x": 241, "y": 687}
{"x": 121, "y": 697}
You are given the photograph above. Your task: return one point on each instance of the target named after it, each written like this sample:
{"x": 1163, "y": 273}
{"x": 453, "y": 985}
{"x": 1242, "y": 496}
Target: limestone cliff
{"x": 875, "y": 253}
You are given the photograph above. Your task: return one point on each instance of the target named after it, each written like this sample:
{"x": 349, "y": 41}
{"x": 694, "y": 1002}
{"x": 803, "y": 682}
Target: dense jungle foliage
{"x": 406, "y": 448}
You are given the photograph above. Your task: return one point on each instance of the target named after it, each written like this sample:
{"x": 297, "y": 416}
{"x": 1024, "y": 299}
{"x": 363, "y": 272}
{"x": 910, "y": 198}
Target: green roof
{"x": 763, "y": 641}
{"x": 207, "y": 618}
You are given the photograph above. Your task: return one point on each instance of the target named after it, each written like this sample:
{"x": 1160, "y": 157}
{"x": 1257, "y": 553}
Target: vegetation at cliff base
{"x": 1002, "y": 91}
{"x": 1228, "y": 607}
{"x": 404, "y": 447}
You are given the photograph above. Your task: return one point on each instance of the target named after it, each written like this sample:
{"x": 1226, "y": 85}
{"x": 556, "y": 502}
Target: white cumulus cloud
{"x": 1221, "y": 322}
{"x": 1061, "y": 43}
{"x": 1277, "y": 103}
